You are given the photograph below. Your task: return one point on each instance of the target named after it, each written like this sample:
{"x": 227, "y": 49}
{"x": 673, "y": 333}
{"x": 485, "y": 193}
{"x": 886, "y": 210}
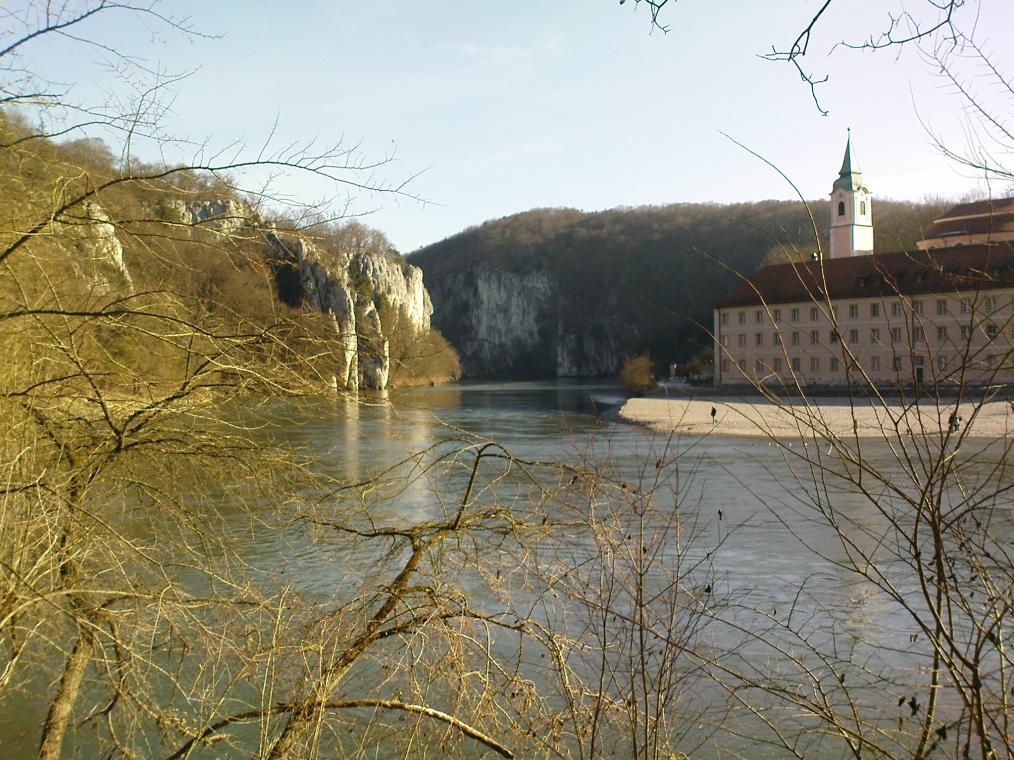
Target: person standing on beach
{"x": 714, "y": 416}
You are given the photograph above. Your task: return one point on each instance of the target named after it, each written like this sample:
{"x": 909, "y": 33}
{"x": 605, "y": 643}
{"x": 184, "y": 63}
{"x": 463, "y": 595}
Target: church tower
{"x": 851, "y": 210}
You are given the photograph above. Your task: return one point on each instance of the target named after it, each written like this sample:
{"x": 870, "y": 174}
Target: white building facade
{"x": 942, "y": 315}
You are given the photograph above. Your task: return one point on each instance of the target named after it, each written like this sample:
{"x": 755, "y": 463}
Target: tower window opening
{"x": 862, "y": 208}
{"x": 841, "y": 208}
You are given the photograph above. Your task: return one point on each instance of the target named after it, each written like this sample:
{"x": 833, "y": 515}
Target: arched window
{"x": 841, "y": 208}
{"x": 862, "y": 208}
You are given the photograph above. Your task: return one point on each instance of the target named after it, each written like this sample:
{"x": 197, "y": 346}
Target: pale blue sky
{"x": 506, "y": 106}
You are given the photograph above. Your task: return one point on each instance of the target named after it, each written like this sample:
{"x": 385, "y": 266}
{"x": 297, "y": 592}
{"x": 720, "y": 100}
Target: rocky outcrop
{"x": 225, "y": 216}
{"x": 351, "y": 289}
{"x": 396, "y": 281}
{"x": 509, "y": 324}
{"x": 357, "y": 291}
{"x": 100, "y": 252}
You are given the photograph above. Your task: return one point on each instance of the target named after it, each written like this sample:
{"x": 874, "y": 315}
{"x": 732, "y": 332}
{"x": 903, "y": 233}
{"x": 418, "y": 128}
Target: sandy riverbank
{"x": 823, "y": 417}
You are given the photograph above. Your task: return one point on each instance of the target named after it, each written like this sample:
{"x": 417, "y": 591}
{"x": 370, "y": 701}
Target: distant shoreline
{"x": 814, "y": 418}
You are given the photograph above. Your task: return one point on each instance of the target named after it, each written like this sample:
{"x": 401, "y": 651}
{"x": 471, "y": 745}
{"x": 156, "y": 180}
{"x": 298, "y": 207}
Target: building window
{"x": 895, "y": 334}
{"x": 758, "y": 366}
{"x": 794, "y": 314}
{"x": 992, "y": 331}
{"x": 964, "y": 306}
{"x": 853, "y": 311}
{"x": 813, "y": 314}
{"x": 795, "y": 337}
{"x": 897, "y": 363}
{"x": 862, "y": 208}
{"x": 758, "y": 316}
{"x": 941, "y": 333}
{"x": 990, "y": 360}
{"x": 834, "y": 336}
{"x": 741, "y": 340}
{"x": 917, "y": 335}
{"x": 841, "y": 208}
{"x": 917, "y": 307}
{"x": 777, "y": 364}
{"x": 834, "y": 364}
{"x": 990, "y": 303}
{"x": 896, "y": 309}
{"x": 725, "y": 366}
{"x": 795, "y": 364}
{"x": 941, "y": 363}
{"x": 815, "y": 364}
{"x": 742, "y": 317}
{"x": 776, "y": 339}
{"x": 853, "y": 336}
{"x": 742, "y": 366}
{"x": 814, "y": 337}
{"x": 875, "y": 363}
{"x": 874, "y": 334}
{"x": 874, "y": 309}
{"x": 966, "y": 331}
{"x": 759, "y": 339}
{"x": 941, "y": 306}
{"x": 725, "y": 341}
{"x": 778, "y": 315}
{"x": 725, "y": 317}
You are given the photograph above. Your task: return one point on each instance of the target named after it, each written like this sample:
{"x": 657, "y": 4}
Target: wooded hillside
{"x": 639, "y": 279}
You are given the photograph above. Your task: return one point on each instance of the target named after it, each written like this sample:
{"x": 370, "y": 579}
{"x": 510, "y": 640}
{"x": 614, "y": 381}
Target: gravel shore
{"x": 822, "y": 417}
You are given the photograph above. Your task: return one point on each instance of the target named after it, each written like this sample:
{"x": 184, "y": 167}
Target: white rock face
{"x": 507, "y": 323}
{"x": 327, "y": 292}
{"x": 400, "y": 283}
{"x": 224, "y": 216}
{"x": 374, "y": 349}
{"x": 497, "y": 317}
{"x": 350, "y": 288}
{"x": 94, "y": 235}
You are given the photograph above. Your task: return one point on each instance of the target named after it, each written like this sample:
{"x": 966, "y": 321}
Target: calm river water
{"x": 752, "y": 529}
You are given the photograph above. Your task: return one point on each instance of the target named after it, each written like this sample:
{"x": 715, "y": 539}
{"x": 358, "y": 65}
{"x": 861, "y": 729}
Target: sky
{"x": 490, "y": 108}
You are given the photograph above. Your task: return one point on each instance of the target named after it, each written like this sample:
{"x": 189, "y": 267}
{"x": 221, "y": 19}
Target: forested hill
{"x": 559, "y": 292}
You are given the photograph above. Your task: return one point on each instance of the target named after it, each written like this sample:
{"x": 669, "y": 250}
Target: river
{"x": 758, "y": 565}
{"x": 757, "y": 545}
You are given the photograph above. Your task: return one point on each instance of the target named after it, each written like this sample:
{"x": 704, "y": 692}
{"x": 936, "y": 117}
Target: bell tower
{"x": 851, "y": 210}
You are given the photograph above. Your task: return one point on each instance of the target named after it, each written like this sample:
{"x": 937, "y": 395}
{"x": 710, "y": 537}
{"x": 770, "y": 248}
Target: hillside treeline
{"x": 646, "y": 276}
{"x": 127, "y": 250}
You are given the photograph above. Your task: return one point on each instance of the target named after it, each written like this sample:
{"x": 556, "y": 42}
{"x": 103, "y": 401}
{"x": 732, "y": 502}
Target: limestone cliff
{"x": 223, "y": 216}
{"x": 509, "y": 324}
{"x": 98, "y": 256}
{"x": 352, "y": 289}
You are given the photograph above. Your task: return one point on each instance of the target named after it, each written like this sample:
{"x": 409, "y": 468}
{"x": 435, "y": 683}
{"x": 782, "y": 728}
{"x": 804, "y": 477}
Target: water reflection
{"x": 749, "y": 508}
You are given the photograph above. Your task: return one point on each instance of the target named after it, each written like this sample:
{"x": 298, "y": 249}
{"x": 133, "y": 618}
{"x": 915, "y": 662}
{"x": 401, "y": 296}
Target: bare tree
{"x": 916, "y": 508}
{"x": 939, "y": 24}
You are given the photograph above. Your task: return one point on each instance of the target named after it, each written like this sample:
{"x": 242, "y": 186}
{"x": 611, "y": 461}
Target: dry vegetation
{"x": 531, "y": 609}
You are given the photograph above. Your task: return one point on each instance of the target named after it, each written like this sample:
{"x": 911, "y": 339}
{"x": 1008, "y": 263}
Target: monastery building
{"x": 939, "y": 315}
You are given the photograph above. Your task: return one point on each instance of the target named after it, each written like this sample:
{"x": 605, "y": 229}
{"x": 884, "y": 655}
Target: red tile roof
{"x": 941, "y": 270}
{"x": 979, "y": 218}
{"x": 981, "y": 208}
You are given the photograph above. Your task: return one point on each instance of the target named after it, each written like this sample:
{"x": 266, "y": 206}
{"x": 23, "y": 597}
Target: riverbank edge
{"x": 822, "y": 418}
